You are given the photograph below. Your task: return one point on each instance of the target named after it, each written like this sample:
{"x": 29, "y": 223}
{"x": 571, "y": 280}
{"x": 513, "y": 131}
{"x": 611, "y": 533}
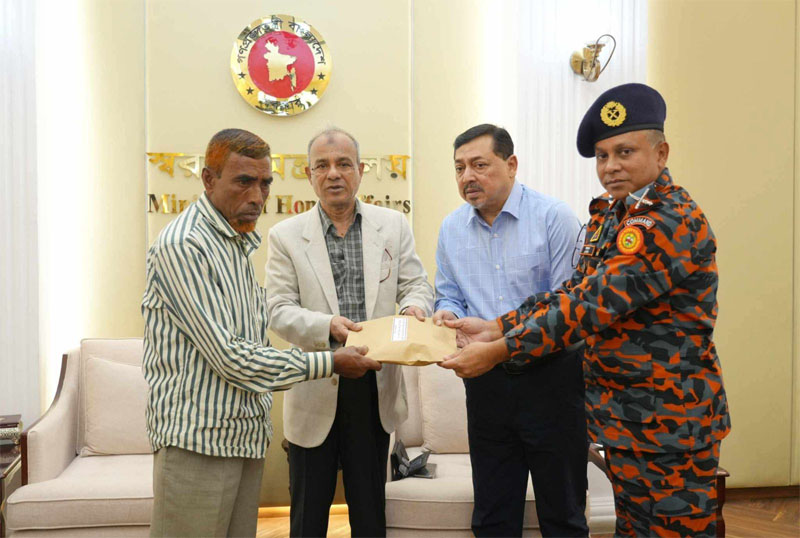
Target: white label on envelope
{"x": 400, "y": 330}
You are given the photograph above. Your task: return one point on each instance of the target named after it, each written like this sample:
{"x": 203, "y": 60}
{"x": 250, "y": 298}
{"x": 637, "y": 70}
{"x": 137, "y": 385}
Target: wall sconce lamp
{"x": 587, "y": 63}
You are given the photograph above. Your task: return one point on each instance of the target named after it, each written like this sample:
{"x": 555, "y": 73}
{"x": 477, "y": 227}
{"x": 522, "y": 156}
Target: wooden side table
{"x": 10, "y": 477}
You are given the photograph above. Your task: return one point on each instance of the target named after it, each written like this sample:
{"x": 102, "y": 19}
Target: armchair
{"x": 86, "y": 463}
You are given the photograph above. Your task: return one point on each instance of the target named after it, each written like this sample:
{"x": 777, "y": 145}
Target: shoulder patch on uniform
{"x": 596, "y": 237}
{"x": 647, "y": 222}
{"x": 630, "y": 240}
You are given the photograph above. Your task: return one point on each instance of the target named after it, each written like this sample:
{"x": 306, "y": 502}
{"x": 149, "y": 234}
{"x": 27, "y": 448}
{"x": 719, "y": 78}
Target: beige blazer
{"x": 302, "y": 300}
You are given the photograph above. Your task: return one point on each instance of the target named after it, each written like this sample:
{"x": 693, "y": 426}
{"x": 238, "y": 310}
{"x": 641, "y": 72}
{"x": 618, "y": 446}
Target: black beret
{"x": 622, "y": 109}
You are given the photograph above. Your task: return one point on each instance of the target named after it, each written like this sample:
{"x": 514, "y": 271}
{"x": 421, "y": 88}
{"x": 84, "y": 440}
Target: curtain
{"x": 538, "y": 98}
{"x": 64, "y": 120}
{"x": 19, "y": 311}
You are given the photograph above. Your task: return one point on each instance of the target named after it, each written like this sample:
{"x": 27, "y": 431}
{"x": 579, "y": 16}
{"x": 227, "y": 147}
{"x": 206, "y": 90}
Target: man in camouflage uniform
{"x": 643, "y": 297}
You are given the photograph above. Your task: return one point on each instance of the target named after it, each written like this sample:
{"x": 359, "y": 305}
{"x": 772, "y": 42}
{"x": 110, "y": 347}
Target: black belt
{"x": 515, "y": 368}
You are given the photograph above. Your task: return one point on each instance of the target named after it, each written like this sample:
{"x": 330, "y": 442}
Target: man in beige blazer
{"x": 328, "y": 269}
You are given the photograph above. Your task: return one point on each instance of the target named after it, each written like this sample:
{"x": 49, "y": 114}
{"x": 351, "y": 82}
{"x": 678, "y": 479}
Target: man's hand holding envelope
{"x": 482, "y": 347}
{"x": 404, "y": 340}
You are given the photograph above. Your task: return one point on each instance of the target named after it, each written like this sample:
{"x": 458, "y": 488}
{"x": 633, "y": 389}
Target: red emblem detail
{"x": 281, "y": 64}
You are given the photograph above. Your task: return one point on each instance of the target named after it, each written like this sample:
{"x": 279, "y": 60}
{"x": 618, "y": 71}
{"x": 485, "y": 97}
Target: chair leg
{"x": 722, "y": 474}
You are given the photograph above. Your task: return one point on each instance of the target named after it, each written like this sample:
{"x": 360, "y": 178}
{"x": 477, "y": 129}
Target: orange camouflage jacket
{"x": 643, "y": 297}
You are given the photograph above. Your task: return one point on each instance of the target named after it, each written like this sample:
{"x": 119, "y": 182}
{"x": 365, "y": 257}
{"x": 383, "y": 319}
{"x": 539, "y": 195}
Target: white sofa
{"x": 86, "y": 465}
{"x": 442, "y": 506}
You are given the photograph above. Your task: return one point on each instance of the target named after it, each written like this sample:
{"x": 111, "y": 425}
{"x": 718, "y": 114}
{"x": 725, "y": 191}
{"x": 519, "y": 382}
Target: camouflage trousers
{"x": 664, "y": 494}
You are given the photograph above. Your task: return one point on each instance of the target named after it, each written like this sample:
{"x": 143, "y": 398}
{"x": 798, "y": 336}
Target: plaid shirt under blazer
{"x": 302, "y": 301}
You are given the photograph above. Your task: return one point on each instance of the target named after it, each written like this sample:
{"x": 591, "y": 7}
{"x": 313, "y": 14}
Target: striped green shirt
{"x": 207, "y": 359}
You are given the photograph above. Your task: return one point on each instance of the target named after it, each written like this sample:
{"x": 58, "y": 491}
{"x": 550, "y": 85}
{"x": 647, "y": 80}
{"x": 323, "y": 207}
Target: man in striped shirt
{"x": 207, "y": 359}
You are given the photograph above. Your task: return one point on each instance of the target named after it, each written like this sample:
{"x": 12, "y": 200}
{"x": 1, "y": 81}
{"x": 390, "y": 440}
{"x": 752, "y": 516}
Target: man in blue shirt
{"x": 505, "y": 244}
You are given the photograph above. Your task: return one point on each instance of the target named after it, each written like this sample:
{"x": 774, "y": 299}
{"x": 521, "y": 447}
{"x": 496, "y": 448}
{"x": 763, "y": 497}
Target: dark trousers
{"x": 529, "y": 422}
{"x": 358, "y": 442}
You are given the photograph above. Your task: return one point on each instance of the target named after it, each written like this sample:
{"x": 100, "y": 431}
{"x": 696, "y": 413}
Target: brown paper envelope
{"x": 404, "y": 340}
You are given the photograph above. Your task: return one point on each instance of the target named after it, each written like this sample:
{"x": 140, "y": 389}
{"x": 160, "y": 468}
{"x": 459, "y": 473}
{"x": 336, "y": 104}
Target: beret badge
{"x": 613, "y": 114}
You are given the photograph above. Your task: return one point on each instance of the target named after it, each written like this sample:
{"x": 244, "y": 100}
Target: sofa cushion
{"x": 444, "y": 502}
{"x": 115, "y": 397}
{"x": 93, "y": 491}
{"x": 128, "y": 351}
{"x": 444, "y": 411}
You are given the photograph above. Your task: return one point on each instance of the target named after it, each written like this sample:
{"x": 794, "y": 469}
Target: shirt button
{"x": 497, "y": 266}
{"x": 497, "y": 235}
{"x": 500, "y": 298}
{"x": 334, "y": 381}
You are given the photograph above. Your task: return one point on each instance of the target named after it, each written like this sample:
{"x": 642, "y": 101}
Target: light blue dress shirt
{"x": 486, "y": 271}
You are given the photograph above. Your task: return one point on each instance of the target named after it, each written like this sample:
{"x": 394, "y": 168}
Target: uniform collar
{"x": 664, "y": 180}
{"x": 601, "y": 203}
{"x": 636, "y": 202}
{"x": 219, "y": 223}
{"x": 511, "y": 206}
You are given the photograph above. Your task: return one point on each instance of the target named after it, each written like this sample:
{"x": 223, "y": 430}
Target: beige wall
{"x": 732, "y": 131}
{"x": 731, "y": 124}
{"x": 447, "y": 100}
{"x": 116, "y": 260}
{"x": 190, "y": 94}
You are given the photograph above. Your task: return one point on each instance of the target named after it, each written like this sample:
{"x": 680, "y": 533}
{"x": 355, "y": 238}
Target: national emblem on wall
{"x": 280, "y": 65}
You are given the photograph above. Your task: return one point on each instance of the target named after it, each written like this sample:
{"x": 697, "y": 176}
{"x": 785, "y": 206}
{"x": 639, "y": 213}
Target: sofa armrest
{"x": 48, "y": 445}
{"x": 596, "y": 457}
{"x": 392, "y": 437}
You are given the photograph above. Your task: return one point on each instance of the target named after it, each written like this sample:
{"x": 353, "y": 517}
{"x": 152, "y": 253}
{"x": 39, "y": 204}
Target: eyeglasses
{"x": 581, "y": 239}
{"x": 386, "y": 252}
{"x": 323, "y": 168}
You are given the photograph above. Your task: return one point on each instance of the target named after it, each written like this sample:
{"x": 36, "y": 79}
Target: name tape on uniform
{"x": 647, "y": 222}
